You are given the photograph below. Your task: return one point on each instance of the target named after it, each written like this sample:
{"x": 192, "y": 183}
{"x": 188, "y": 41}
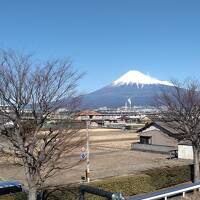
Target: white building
{"x": 185, "y": 151}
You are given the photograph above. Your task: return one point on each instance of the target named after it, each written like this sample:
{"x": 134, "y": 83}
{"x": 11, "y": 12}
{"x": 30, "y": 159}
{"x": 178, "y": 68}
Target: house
{"x": 94, "y": 117}
{"x": 146, "y": 119}
{"x": 159, "y": 137}
{"x": 158, "y": 133}
{"x": 88, "y": 115}
{"x": 156, "y": 137}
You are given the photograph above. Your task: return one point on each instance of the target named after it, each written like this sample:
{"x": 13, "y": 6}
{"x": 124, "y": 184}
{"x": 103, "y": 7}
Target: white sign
{"x": 83, "y": 155}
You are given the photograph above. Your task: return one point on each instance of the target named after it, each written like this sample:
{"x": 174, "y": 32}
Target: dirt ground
{"x": 110, "y": 155}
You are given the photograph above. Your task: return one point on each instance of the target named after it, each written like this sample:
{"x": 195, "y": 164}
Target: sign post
{"x": 88, "y": 153}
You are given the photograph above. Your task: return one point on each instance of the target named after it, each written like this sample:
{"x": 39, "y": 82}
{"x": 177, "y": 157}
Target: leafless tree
{"x": 30, "y": 93}
{"x": 181, "y": 111}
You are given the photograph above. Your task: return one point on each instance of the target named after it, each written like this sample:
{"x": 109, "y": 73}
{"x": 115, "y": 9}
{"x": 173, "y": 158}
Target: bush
{"x": 166, "y": 177}
{"x": 17, "y": 196}
{"x": 151, "y": 180}
{"x": 63, "y": 193}
{"x": 129, "y": 185}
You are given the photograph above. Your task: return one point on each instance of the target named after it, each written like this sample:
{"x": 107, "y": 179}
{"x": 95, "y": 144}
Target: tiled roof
{"x": 89, "y": 113}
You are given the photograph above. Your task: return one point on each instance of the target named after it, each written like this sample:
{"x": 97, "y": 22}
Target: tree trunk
{"x": 196, "y": 164}
{"x": 32, "y": 193}
{"x": 32, "y": 187}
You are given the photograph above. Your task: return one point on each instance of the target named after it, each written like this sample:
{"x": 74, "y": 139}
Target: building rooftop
{"x": 89, "y": 113}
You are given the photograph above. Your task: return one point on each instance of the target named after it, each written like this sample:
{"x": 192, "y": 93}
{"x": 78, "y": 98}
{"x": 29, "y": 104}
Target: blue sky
{"x": 106, "y": 38}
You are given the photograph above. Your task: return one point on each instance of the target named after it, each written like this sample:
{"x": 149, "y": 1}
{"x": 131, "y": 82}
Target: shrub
{"x": 166, "y": 177}
{"x": 129, "y": 185}
{"x": 17, "y": 196}
{"x": 63, "y": 193}
{"x": 149, "y": 181}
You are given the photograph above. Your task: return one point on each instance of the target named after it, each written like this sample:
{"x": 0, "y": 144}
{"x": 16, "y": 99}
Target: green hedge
{"x": 166, "y": 177}
{"x": 17, "y": 196}
{"x": 151, "y": 180}
{"x": 129, "y": 185}
{"x": 148, "y": 181}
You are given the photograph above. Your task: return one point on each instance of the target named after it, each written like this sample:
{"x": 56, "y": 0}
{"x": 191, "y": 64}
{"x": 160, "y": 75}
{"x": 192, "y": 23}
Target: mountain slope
{"x": 134, "y": 85}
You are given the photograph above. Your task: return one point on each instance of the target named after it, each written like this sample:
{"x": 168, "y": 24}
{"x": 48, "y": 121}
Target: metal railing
{"x": 99, "y": 192}
{"x": 170, "y": 192}
{"x": 8, "y": 187}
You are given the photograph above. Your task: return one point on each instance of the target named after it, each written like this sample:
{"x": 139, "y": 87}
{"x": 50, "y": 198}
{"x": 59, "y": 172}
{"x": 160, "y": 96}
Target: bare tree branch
{"x": 29, "y": 94}
{"x": 182, "y": 113}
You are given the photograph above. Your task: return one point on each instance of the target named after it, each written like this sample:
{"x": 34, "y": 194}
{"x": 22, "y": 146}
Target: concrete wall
{"x": 152, "y": 148}
{"x": 185, "y": 152}
{"x": 159, "y": 138}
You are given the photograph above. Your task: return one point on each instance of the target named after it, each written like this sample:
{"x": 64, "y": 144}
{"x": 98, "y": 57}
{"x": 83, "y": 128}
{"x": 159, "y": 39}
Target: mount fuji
{"x": 133, "y": 86}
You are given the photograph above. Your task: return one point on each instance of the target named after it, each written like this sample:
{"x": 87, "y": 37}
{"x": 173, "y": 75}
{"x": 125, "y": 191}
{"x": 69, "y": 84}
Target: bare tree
{"x": 30, "y": 93}
{"x": 181, "y": 111}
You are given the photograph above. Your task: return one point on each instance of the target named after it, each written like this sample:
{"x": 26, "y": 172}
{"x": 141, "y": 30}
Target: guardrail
{"x": 99, "y": 192}
{"x": 164, "y": 194}
{"x": 8, "y": 187}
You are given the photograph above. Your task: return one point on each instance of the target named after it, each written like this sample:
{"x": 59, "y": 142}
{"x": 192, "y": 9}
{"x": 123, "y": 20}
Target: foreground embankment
{"x": 148, "y": 181}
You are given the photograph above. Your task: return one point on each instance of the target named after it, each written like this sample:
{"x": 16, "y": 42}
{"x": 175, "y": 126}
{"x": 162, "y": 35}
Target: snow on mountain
{"x": 141, "y": 89}
{"x": 138, "y": 78}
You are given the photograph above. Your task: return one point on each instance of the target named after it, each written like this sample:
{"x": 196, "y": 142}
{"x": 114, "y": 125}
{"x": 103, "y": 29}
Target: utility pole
{"x": 88, "y": 154}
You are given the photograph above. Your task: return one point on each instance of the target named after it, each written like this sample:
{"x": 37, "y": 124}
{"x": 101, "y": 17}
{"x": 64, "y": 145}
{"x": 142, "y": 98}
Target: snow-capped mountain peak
{"x": 138, "y": 78}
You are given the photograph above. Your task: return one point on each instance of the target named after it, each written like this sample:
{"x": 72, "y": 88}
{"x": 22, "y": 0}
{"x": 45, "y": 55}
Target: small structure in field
{"x": 185, "y": 150}
{"x": 157, "y": 133}
{"x": 159, "y": 137}
{"x": 156, "y": 137}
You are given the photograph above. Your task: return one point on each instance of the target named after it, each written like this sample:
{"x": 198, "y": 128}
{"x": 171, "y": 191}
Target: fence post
{"x": 183, "y": 194}
{"x": 99, "y": 192}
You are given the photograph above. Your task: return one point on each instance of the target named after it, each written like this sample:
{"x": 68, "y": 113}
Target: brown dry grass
{"x": 110, "y": 155}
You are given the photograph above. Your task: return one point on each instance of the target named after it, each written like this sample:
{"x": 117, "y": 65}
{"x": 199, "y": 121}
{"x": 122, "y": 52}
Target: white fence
{"x": 164, "y": 194}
